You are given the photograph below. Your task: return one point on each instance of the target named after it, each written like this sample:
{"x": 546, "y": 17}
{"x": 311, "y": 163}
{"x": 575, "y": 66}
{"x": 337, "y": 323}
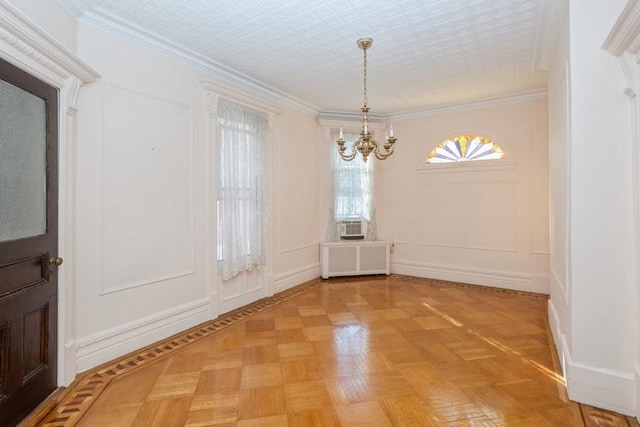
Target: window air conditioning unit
{"x": 353, "y": 230}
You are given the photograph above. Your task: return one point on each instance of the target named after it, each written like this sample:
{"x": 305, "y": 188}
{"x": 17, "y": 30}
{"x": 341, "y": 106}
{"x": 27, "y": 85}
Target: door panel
{"x": 28, "y": 242}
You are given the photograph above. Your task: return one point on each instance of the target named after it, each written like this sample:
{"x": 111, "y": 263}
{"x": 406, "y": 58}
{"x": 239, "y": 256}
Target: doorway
{"x": 28, "y": 242}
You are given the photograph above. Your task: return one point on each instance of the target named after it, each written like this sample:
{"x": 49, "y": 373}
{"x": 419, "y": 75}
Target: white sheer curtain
{"x": 242, "y": 210}
{"x": 352, "y": 190}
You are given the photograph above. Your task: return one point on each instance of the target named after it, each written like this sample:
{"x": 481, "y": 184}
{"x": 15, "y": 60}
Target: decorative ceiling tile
{"x": 425, "y": 53}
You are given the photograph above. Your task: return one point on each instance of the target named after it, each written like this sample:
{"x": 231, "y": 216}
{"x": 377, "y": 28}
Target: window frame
{"x": 508, "y": 162}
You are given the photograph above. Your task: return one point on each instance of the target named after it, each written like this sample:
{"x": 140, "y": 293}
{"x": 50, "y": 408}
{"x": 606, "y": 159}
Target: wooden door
{"x": 28, "y": 242}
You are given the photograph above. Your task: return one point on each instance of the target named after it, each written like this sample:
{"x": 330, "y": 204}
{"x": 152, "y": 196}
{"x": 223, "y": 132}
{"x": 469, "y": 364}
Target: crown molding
{"x": 24, "y": 36}
{"x": 227, "y": 76}
{"x": 239, "y": 97}
{"x": 336, "y": 116}
{"x": 547, "y": 30}
{"x": 625, "y": 34}
{"x": 473, "y": 105}
{"x": 350, "y": 125}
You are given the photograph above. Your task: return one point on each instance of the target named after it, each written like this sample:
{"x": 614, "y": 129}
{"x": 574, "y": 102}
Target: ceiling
{"x": 426, "y": 53}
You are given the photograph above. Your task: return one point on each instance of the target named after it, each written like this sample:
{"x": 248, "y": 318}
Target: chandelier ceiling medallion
{"x": 366, "y": 145}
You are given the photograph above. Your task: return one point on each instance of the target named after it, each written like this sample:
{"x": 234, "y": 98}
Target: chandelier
{"x": 366, "y": 145}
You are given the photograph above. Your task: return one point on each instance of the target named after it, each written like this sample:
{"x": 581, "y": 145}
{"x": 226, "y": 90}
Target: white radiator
{"x": 354, "y": 258}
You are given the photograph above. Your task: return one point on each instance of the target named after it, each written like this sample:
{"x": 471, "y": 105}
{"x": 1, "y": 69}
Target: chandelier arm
{"x": 382, "y": 156}
{"x": 348, "y": 157}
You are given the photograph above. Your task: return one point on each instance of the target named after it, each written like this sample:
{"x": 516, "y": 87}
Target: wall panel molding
{"x": 299, "y": 248}
{"x": 443, "y": 227}
{"x": 128, "y": 161}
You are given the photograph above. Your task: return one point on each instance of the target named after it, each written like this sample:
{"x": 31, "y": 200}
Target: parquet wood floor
{"x": 379, "y": 351}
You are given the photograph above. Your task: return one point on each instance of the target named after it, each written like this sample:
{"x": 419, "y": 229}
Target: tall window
{"x": 353, "y": 185}
{"x": 241, "y": 139}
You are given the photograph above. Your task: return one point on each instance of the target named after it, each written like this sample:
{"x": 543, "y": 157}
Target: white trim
{"x": 289, "y": 279}
{"x": 28, "y": 47}
{"x": 106, "y": 288}
{"x": 478, "y": 276}
{"x": 623, "y": 41}
{"x": 512, "y": 249}
{"x": 625, "y": 34}
{"x": 637, "y": 380}
{"x": 230, "y": 77}
{"x": 298, "y": 248}
{"x": 211, "y": 197}
{"x": 109, "y": 344}
{"x": 472, "y": 105}
{"x": 333, "y": 117}
{"x": 330, "y": 124}
{"x": 561, "y": 284}
{"x": 560, "y": 340}
{"x": 547, "y": 29}
{"x": 239, "y": 97}
{"x": 25, "y": 36}
{"x": 539, "y": 252}
{"x": 147, "y": 281}
{"x": 350, "y": 119}
{"x": 603, "y": 388}
{"x": 471, "y": 166}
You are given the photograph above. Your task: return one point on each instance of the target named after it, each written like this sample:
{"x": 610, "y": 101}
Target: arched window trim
{"x": 463, "y": 145}
{"x": 506, "y": 163}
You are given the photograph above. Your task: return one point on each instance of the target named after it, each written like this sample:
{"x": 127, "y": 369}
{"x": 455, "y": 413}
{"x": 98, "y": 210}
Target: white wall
{"x": 140, "y": 272}
{"x": 473, "y": 222}
{"x": 559, "y": 96}
{"x": 295, "y": 201}
{"x": 594, "y": 256}
{"x": 146, "y": 262}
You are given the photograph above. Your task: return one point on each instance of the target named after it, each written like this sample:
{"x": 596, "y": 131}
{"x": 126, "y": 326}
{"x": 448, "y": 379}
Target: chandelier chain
{"x": 366, "y": 99}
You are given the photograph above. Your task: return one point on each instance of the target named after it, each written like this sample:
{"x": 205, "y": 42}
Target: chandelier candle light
{"x": 366, "y": 145}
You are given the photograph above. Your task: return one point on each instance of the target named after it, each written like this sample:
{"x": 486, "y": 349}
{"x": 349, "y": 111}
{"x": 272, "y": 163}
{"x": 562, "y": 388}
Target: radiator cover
{"x": 354, "y": 258}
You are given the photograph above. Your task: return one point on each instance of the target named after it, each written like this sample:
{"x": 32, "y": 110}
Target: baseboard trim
{"x": 107, "y": 345}
{"x": 67, "y": 366}
{"x": 637, "y": 375}
{"x": 495, "y": 278}
{"x": 603, "y": 388}
{"x": 559, "y": 338}
{"x": 289, "y": 279}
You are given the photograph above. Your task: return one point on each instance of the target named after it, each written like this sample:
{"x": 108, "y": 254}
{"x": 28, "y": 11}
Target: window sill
{"x": 473, "y": 166}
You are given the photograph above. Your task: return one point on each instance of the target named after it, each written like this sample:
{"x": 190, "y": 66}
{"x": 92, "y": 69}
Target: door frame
{"x": 28, "y": 47}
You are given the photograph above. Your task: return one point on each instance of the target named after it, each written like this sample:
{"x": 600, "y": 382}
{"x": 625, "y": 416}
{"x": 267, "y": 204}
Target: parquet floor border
{"x": 80, "y": 395}
{"x": 86, "y": 389}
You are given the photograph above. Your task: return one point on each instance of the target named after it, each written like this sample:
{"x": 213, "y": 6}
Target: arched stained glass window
{"x": 464, "y": 148}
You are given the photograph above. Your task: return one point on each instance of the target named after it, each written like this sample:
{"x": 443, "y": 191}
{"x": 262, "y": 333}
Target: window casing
{"x": 353, "y": 185}
{"x": 463, "y": 148}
